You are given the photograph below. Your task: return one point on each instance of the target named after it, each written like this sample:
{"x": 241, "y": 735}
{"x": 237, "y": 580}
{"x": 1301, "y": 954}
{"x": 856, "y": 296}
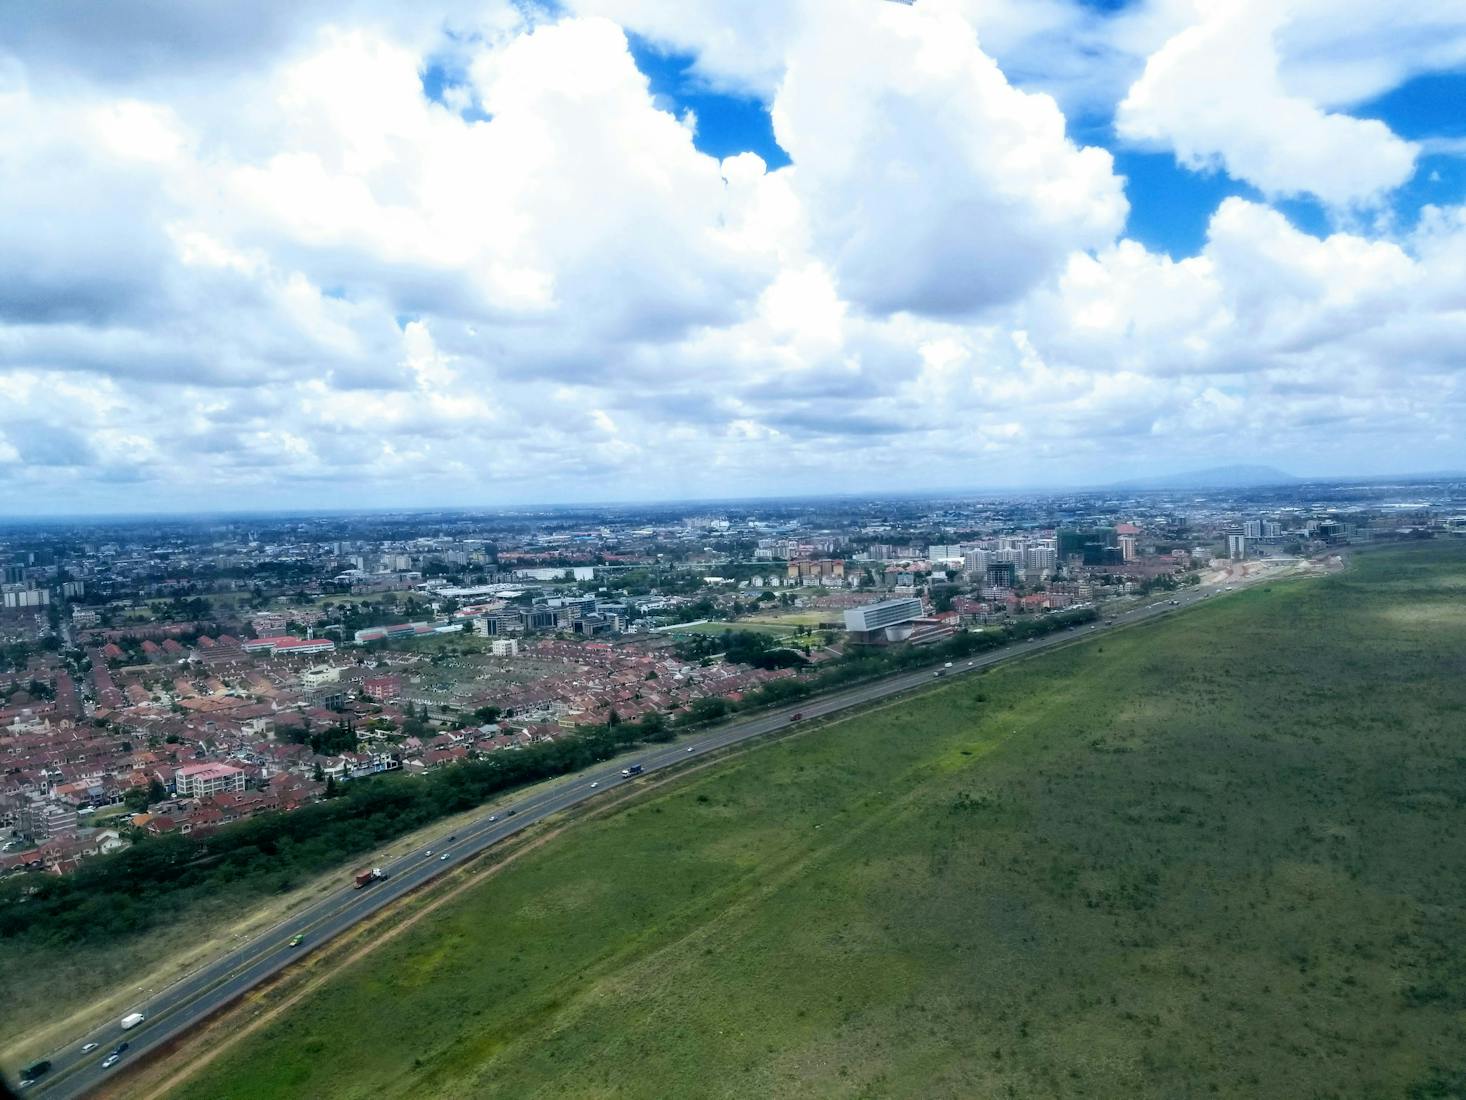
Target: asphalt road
{"x": 174, "y": 1009}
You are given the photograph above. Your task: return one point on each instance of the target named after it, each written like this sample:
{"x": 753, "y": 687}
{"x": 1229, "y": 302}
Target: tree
{"x": 331, "y": 789}
{"x": 156, "y": 791}
{"x": 319, "y": 774}
{"x": 136, "y": 799}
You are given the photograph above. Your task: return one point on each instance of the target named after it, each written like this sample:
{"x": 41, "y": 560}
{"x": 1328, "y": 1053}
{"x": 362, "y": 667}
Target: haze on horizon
{"x": 289, "y": 255}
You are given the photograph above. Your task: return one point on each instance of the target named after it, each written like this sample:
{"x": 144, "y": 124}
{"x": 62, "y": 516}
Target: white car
{"x": 689, "y": 748}
{"x": 442, "y": 857}
{"x": 110, "y": 1061}
{"x": 87, "y": 1048}
{"x": 595, "y": 784}
{"x": 493, "y": 817}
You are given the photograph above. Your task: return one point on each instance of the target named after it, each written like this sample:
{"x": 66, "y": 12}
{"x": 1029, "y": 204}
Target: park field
{"x": 774, "y": 630}
{"x": 1222, "y": 854}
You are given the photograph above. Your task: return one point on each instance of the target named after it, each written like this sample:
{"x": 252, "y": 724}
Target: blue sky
{"x": 1170, "y": 204}
{"x": 346, "y": 295}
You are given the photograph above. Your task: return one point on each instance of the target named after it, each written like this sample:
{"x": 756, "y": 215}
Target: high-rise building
{"x": 976, "y": 561}
{"x": 1127, "y": 547}
{"x": 1237, "y": 547}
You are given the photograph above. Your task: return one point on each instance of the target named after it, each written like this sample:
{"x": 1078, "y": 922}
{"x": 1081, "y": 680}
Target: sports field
{"x": 1219, "y": 855}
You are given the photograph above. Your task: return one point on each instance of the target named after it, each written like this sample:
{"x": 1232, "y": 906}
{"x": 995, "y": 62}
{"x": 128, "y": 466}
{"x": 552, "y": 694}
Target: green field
{"x": 1220, "y": 855}
{"x": 742, "y": 624}
{"x": 795, "y": 619}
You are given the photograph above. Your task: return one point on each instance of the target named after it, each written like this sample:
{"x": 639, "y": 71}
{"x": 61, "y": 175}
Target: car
{"x": 493, "y": 817}
{"x": 796, "y": 716}
{"x": 31, "y": 1072}
{"x": 510, "y": 813}
{"x": 109, "y": 1061}
{"x": 442, "y": 857}
{"x": 87, "y": 1048}
{"x": 428, "y": 852}
{"x": 119, "y": 1049}
{"x": 947, "y": 665}
{"x": 969, "y": 663}
{"x": 454, "y": 837}
{"x": 595, "y": 784}
{"x": 296, "y": 940}
{"x": 689, "y": 748}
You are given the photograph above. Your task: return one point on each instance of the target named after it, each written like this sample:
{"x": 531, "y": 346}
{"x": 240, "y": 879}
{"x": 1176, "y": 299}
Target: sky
{"x": 295, "y": 254}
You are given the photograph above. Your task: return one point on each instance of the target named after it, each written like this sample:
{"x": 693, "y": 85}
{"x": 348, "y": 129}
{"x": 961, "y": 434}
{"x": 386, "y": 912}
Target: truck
{"x": 366, "y": 878}
{"x": 634, "y": 769}
{"x": 132, "y": 1019}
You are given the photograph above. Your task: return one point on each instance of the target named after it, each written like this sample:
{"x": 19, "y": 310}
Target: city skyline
{"x": 502, "y": 254}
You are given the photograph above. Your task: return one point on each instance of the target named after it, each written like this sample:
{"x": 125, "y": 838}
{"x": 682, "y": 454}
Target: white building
{"x": 202, "y": 780}
{"x": 321, "y": 674}
{"x": 505, "y": 647}
{"x": 882, "y": 616}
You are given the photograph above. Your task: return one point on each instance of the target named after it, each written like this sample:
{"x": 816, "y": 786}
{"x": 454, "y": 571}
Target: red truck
{"x": 366, "y": 878}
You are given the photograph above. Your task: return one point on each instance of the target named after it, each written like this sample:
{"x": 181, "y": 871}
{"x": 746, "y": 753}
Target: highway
{"x": 174, "y": 1009}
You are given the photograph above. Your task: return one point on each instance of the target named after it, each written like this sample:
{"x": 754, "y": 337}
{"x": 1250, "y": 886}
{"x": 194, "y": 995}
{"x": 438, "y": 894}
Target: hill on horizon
{"x": 1215, "y": 477}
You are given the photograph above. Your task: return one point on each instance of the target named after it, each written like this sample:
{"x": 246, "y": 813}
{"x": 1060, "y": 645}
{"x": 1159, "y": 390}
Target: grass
{"x": 1222, "y": 854}
{"x": 795, "y": 618}
{"x": 742, "y": 624}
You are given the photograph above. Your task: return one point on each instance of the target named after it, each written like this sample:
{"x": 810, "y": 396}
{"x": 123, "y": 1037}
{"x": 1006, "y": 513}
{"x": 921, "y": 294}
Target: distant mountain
{"x": 1218, "y": 477}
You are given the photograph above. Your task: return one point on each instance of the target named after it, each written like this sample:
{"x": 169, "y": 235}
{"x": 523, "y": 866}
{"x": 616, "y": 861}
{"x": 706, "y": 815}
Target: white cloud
{"x": 1253, "y": 87}
{"x": 286, "y": 275}
{"x": 931, "y": 184}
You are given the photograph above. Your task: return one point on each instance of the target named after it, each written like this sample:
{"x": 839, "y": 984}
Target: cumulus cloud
{"x": 1261, "y": 88}
{"x": 278, "y": 271}
{"x": 932, "y": 183}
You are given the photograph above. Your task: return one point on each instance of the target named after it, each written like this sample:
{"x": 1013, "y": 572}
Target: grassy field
{"x": 1221, "y": 855}
{"x": 742, "y": 624}
{"x": 794, "y": 619}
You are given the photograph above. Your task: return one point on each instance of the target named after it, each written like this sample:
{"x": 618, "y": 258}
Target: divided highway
{"x": 173, "y": 1010}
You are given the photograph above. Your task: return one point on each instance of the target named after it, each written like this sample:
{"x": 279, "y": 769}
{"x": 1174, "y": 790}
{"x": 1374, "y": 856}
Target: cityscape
{"x": 175, "y": 676}
{"x": 733, "y": 550}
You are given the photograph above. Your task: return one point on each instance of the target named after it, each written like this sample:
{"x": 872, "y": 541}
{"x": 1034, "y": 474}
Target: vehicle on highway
{"x": 969, "y": 664}
{"x": 369, "y": 876}
{"x": 627, "y": 773}
{"x": 119, "y": 1049}
{"x": 595, "y": 784}
{"x": 442, "y": 857}
{"x": 689, "y": 748}
{"x": 109, "y": 1061}
{"x": 493, "y": 817}
{"x": 510, "y": 813}
{"x": 454, "y": 837}
{"x": 36, "y": 1069}
{"x": 947, "y": 665}
{"x": 428, "y": 852}
{"x": 796, "y": 716}
{"x": 296, "y": 940}
{"x": 132, "y": 1019}
{"x": 938, "y": 672}
{"x": 87, "y": 1048}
